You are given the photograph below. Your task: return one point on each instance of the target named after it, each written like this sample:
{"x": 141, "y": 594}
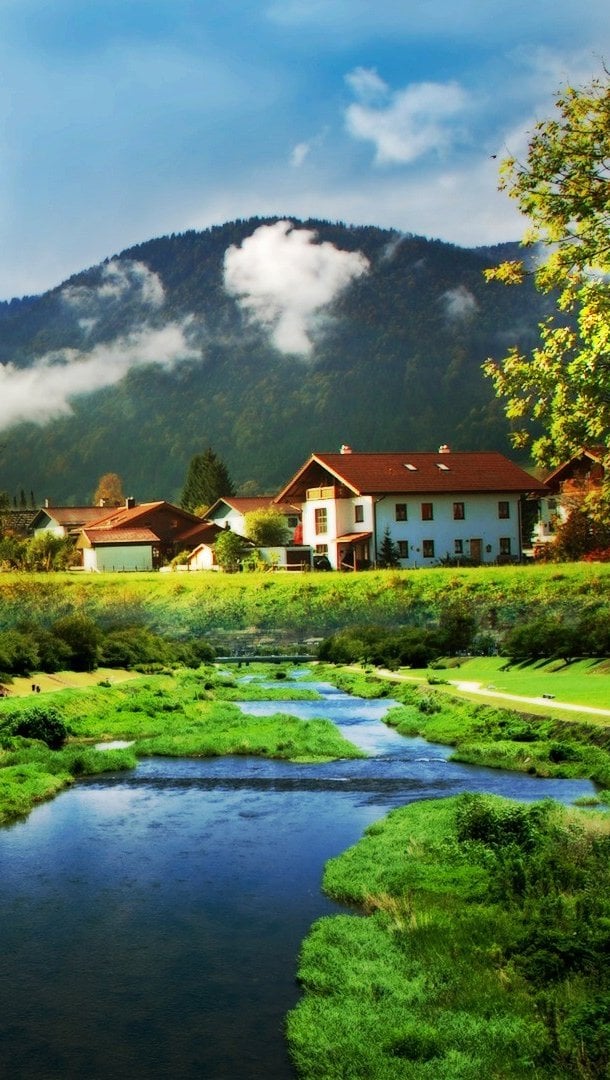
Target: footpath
{"x": 479, "y": 688}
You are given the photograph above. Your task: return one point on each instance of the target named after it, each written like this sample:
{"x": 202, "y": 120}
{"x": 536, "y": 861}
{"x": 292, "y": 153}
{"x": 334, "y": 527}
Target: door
{"x": 476, "y": 547}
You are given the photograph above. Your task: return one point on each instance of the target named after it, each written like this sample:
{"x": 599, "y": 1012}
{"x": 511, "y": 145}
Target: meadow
{"x": 299, "y": 606}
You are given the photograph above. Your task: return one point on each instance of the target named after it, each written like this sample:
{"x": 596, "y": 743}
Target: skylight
{"x": 441, "y": 465}
{"x": 411, "y": 468}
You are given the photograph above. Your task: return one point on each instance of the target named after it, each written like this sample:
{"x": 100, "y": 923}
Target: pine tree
{"x": 387, "y": 556}
{"x": 206, "y": 481}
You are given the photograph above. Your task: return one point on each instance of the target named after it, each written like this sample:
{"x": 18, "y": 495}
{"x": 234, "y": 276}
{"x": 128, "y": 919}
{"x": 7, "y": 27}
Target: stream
{"x": 151, "y": 921}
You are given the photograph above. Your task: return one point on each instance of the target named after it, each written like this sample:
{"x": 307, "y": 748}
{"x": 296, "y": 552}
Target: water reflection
{"x": 151, "y": 921}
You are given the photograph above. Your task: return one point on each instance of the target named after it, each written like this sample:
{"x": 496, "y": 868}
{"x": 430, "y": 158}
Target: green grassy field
{"x": 298, "y": 605}
{"x": 582, "y": 682}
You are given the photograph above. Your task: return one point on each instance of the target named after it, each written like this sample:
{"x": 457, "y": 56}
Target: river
{"x": 151, "y": 921}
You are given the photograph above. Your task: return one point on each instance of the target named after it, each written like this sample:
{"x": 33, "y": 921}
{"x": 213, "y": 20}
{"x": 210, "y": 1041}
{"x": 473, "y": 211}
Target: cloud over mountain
{"x": 45, "y": 390}
{"x": 283, "y": 278}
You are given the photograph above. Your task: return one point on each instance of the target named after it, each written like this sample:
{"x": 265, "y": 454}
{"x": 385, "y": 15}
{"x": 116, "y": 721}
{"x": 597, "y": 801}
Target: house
{"x": 231, "y": 511}
{"x": 140, "y": 537}
{"x": 433, "y": 505}
{"x": 566, "y": 485}
{"x": 66, "y": 520}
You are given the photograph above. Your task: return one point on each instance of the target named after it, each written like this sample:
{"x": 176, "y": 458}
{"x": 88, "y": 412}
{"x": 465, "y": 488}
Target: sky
{"x": 122, "y": 120}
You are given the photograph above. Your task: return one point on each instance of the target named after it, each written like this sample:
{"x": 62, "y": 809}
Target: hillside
{"x": 393, "y": 360}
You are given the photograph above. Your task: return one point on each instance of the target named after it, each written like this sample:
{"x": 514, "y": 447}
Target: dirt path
{"x": 64, "y": 680}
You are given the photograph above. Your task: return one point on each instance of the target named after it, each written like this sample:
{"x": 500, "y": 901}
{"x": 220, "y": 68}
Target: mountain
{"x": 164, "y": 361}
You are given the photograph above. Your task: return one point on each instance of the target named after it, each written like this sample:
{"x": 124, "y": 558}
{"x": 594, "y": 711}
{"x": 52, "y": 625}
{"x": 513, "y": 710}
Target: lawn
{"x": 583, "y": 682}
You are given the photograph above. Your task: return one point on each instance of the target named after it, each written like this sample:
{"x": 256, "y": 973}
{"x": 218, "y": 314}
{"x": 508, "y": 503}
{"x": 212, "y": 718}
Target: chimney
{"x": 46, "y": 504}
{"x": 444, "y": 449}
{"x": 130, "y": 502}
{"x": 345, "y": 449}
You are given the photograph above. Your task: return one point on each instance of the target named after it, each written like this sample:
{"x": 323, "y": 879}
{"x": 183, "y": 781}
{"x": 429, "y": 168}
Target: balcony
{"x": 317, "y": 493}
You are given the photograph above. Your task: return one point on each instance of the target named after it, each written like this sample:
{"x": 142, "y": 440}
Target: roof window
{"x": 441, "y": 465}
{"x": 411, "y": 468}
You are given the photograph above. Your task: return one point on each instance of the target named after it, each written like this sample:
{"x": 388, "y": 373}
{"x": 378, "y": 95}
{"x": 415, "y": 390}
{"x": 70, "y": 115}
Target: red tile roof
{"x": 120, "y": 536}
{"x": 73, "y": 515}
{"x": 413, "y": 473}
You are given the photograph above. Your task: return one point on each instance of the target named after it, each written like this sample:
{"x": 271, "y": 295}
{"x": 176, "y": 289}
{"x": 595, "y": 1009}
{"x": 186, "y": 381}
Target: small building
{"x": 230, "y": 511}
{"x": 566, "y": 486}
{"x": 66, "y": 520}
{"x": 457, "y": 505}
{"x": 143, "y": 537}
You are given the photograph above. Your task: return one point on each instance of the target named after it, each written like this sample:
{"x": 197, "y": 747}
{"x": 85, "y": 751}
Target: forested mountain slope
{"x": 393, "y": 361}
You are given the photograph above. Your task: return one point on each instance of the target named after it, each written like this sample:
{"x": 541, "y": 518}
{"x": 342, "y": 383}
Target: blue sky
{"x": 121, "y": 120}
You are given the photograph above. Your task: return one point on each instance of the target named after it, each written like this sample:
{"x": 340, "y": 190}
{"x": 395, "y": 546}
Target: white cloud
{"x": 367, "y": 84}
{"x": 411, "y": 123}
{"x": 283, "y": 278}
{"x": 299, "y": 153}
{"x": 45, "y": 390}
{"x": 119, "y": 281}
{"x": 459, "y": 303}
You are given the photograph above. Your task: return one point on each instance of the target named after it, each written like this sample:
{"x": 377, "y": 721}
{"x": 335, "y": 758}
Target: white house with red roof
{"x": 230, "y": 512}
{"x": 465, "y": 505}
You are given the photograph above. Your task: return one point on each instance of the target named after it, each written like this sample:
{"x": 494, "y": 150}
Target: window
{"x": 427, "y": 512}
{"x": 458, "y": 547}
{"x": 503, "y": 508}
{"x": 321, "y": 520}
{"x": 428, "y": 549}
{"x": 458, "y": 511}
{"x": 403, "y": 549}
{"x": 505, "y": 545}
{"x": 292, "y": 521}
{"x": 401, "y": 511}
{"x": 321, "y": 549}
{"x": 358, "y": 512}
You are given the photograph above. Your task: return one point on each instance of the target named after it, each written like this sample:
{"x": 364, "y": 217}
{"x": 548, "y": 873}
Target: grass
{"x": 582, "y": 682}
{"x": 297, "y": 605}
{"x": 430, "y": 984}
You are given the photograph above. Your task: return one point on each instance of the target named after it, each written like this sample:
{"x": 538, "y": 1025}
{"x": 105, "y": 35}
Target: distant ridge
{"x": 395, "y": 362}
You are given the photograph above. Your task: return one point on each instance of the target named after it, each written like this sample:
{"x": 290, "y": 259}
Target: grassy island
{"x": 483, "y": 951}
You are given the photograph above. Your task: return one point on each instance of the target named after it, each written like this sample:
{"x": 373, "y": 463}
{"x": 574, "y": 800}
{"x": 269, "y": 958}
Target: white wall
{"x": 480, "y": 522}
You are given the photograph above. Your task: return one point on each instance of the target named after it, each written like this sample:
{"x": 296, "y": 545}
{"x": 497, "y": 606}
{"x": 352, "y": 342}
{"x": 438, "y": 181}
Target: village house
{"x": 230, "y": 511}
{"x": 566, "y": 486}
{"x": 461, "y": 505}
{"x": 143, "y": 537}
{"x": 66, "y": 520}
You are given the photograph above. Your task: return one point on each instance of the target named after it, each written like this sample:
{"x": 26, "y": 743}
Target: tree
{"x": 564, "y": 189}
{"x": 266, "y": 527}
{"x": 48, "y": 552}
{"x": 83, "y": 637}
{"x": 387, "y": 556}
{"x": 229, "y": 549}
{"x": 109, "y": 490}
{"x": 207, "y": 480}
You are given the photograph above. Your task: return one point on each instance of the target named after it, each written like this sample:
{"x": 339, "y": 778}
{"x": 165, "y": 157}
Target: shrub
{"x": 42, "y": 722}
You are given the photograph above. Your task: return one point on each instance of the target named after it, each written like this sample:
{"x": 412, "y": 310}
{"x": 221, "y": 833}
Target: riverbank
{"x": 490, "y": 735}
{"x": 483, "y": 951}
{"x": 186, "y": 714}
